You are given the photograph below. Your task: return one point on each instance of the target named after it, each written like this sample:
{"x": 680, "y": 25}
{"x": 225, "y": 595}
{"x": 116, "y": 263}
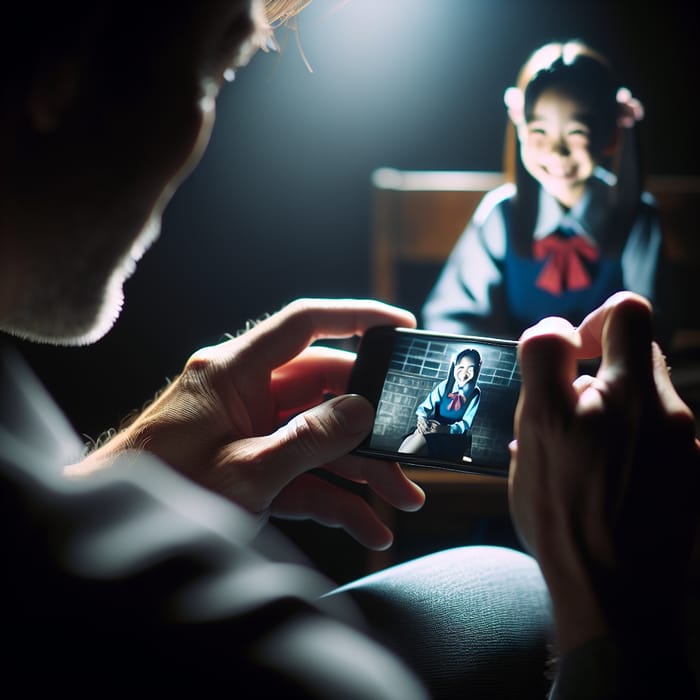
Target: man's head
{"x": 104, "y": 108}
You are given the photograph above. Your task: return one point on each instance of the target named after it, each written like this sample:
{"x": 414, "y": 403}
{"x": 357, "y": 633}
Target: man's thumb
{"x": 325, "y": 432}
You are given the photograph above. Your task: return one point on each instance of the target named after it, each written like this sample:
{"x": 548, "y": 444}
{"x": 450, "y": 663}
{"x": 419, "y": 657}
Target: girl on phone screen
{"x": 444, "y": 419}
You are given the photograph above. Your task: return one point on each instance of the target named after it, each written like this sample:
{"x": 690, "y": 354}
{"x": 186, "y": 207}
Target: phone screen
{"x": 441, "y": 400}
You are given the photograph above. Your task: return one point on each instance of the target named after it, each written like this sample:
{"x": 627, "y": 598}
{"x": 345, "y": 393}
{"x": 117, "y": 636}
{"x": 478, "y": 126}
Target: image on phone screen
{"x": 441, "y": 400}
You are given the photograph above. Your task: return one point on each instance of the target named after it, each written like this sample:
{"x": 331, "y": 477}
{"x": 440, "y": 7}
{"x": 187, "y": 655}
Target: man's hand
{"x": 604, "y": 478}
{"x": 247, "y": 419}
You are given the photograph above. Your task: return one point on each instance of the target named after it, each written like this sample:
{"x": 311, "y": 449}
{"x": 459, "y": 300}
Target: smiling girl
{"x": 572, "y": 225}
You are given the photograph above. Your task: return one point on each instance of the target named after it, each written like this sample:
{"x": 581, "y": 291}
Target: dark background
{"x": 280, "y": 205}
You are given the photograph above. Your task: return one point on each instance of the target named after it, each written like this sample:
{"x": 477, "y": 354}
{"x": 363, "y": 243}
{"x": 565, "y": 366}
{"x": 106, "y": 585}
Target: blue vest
{"x": 529, "y": 304}
{"x": 444, "y": 414}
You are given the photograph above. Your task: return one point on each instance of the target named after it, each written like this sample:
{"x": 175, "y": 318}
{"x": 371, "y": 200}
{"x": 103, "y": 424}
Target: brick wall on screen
{"x": 419, "y": 365}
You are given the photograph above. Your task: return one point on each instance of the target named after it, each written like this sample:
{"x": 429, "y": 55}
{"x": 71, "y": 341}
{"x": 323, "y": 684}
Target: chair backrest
{"x": 419, "y": 215}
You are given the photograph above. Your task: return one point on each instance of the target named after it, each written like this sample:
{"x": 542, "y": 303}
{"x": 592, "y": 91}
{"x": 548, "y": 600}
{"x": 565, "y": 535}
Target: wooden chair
{"x": 419, "y": 215}
{"x": 417, "y": 218}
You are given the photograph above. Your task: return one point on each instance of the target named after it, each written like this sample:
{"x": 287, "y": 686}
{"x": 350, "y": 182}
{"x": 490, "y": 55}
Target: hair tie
{"x": 630, "y": 109}
{"x": 514, "y": 99}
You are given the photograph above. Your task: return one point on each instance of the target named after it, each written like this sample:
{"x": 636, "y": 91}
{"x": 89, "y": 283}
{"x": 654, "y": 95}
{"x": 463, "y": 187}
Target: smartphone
{"x": 441, "y": 400}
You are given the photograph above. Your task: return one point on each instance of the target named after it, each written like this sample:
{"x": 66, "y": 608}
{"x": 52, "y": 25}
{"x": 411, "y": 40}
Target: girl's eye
{"x": 579, "y": 131}
{"x": 579, "y": 139}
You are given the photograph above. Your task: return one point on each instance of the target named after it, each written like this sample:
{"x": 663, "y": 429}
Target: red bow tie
{"x": 458, "y": 398}
{"x": 564, "y": 268}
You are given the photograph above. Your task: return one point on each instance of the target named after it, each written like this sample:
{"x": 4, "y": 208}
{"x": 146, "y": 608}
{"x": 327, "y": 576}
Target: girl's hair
{"x": 576, "y": 70}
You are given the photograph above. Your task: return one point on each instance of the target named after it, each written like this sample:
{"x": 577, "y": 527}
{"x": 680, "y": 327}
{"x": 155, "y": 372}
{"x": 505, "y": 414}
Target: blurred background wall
{"x": 280, "y": 205}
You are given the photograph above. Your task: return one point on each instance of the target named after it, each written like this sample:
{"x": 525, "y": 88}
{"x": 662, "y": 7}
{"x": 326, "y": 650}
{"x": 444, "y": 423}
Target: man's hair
{"x": 31, "y": 32}
{"x": 280, "y": 11}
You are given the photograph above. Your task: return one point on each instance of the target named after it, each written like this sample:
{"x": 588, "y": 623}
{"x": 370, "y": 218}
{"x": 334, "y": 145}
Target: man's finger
{"x": 385, "y": 478}
{"x": 283, "y": 336}
{"x": 547, "y": 356}
{"x": 307, "y": 379}
{"x": 671, "y": 403}
{"x": 260, "y": 467}
{"x": 591, "y": 328}
{"x": 312, "y": 498}
{"x": 627, "y": 344}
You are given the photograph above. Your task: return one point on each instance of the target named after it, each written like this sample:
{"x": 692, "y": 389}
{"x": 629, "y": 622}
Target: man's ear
{"x": 51, "y": 94}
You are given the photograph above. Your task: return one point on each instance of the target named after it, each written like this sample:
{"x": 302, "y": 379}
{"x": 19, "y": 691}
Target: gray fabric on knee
{"x": 473, "y": 622}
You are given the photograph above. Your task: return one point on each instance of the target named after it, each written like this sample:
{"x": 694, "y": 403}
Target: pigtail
{"x": 521, "y": 210}
{"x": 450, "y": 380}
{"x": 628, "y": 168}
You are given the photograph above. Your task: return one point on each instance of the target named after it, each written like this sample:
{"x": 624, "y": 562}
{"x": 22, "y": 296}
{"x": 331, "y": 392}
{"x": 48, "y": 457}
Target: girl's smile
{"x": 555, "y": 146}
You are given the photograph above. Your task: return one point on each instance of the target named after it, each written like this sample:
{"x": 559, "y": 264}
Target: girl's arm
{"x": 427, "y": 408}
{"x": 468, "y": 295}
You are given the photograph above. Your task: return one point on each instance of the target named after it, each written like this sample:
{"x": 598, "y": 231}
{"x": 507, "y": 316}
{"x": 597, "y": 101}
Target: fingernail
{"x": 354, "y": 413}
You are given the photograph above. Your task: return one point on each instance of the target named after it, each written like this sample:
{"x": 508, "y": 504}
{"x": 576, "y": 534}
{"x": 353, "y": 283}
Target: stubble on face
{"x": 73, "y": 298}
{"x": 79, "y": 241}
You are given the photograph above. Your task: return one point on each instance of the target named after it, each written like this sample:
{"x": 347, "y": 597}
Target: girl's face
{"x": 464, "y": 372}
{"x": 555, "y": 146}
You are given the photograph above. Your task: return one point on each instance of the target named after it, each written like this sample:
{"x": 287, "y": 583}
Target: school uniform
{"x": 487, "y": 288}
{"x": 455, "y": 408}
